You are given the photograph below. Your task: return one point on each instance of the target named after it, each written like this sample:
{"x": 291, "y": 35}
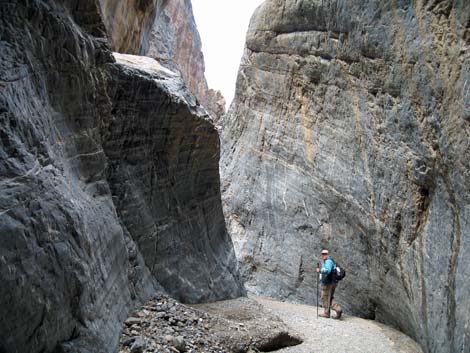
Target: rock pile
{"x": 164, "y": 325}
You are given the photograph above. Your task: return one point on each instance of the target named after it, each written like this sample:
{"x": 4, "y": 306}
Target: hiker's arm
{"x": 327, "y": 267}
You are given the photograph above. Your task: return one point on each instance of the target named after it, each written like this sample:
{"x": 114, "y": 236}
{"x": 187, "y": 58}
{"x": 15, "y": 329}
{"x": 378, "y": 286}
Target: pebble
{"x": 179, "y": 344}
{"x": 132, "y": 321}
{"x": 126, "y": 342}
{"x": 139, "y": 345}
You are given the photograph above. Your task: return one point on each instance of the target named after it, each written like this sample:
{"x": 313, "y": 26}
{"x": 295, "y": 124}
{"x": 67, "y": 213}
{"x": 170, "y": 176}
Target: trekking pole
{"x": 318, "y": 266}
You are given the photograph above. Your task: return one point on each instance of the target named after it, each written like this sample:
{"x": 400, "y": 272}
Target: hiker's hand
{"x": 318, "y": 269}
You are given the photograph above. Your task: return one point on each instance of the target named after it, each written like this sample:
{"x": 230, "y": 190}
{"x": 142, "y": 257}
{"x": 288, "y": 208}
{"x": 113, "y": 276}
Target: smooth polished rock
{"x": 164, "y": 177}
{"x": 69, "y": 273}
{"x": 72, "y": 192}
{"x": 349, "y": 131}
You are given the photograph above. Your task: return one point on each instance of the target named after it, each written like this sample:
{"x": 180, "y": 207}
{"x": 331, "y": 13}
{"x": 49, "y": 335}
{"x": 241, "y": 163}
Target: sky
{"x": 222, "y": 25}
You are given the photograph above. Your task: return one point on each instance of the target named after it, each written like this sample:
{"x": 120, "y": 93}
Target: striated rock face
{"x": 350, "y": 131}
{"x": 175, "y": 42}
{"x": 129, "y": 22}
{"x": 165, "y": 30}
{"x": 163, "y": 173}
{"x": 68, "y": 269}
{"x": 108, "y": 184}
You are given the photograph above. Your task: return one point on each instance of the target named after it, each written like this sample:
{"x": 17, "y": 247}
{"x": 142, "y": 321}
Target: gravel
{"x": 164, "y": 325}
{"x": 251, "y": 325}
{"x": 347, "y": 335}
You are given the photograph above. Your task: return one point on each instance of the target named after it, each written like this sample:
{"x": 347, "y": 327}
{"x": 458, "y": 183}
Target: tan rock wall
{"x": 175, "y": 42}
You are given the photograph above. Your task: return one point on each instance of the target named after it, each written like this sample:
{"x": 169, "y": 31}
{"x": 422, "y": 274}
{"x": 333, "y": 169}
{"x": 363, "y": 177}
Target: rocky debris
{"x": 348, "y": 131}
{"x": 175, "y": 42}
{"x": 164, "y": 325}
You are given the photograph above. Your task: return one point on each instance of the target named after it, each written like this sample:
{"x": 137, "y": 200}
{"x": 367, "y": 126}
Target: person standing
{"x": 328, "y": 286}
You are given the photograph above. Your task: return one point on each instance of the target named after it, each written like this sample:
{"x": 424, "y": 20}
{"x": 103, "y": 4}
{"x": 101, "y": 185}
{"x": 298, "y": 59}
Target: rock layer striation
{"x": 109, "y": 184}
{"x": 176, "y": 44}
{"x": 350, "y": 131}
{"x": 129, "y": 23}
{"x": 163, "y": 155}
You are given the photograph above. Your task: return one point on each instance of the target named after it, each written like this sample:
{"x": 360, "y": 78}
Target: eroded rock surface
{"x": 175, "y": 42}
{"x": 350, "y": 131}
{"x": 129, "y": 23}
{"x": 108, "y": 183}
{"x": 163, "y": 155}
{"x": 165, "y": 30}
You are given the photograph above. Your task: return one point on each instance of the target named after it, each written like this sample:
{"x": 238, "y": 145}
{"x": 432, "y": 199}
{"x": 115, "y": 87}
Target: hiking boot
{"x": 337, "y": 309}
{"x": 324, "y": 314}
{"x": 338, "y": 314}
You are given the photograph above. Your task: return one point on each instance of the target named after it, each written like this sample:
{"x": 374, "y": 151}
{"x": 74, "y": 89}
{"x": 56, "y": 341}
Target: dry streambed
{"x": 348, "y": 335}
{"x": 242, "y": 325}
{"x": 252, "y": 325}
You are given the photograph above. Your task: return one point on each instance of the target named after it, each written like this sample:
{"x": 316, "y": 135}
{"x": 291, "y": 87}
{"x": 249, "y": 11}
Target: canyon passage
{"x": 124, "y": 184}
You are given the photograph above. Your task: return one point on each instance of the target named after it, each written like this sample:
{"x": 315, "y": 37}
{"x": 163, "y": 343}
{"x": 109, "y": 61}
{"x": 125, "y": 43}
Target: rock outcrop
{"x": 176, "y": 44}
{"x": 108, "y": 181}
{"x": 173, "y": 40}
{"x": 163, "y": 155}
{"x": 129, "y": 23}
{"x": 350, "y": 131}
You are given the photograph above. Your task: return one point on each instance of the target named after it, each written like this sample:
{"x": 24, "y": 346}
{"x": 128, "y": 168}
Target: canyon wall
{"x": 129, "y": 23}
{"x": 173, "y": 40}
{"x": 163, "y": 173}
{"x": 109, "y": 184}
{"x": 350, "y": 131}
{"x": 176, "y": 44}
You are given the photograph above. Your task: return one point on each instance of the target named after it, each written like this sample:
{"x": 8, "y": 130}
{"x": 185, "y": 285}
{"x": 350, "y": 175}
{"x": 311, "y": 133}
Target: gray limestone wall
{"x": 350, "y": 131}
{"x": 109, "y": 186}
{"x": 163, "y": 160}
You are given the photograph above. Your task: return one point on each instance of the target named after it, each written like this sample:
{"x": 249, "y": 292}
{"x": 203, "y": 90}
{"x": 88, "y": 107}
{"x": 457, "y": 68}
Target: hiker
{"x": 328, "y": 286}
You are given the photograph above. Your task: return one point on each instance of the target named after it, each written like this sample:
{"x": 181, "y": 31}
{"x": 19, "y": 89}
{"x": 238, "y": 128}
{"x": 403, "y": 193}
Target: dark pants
{"x": 328, "y": 299}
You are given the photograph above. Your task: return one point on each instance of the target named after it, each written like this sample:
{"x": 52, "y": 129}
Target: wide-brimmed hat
{"x": 324, "y": 252}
